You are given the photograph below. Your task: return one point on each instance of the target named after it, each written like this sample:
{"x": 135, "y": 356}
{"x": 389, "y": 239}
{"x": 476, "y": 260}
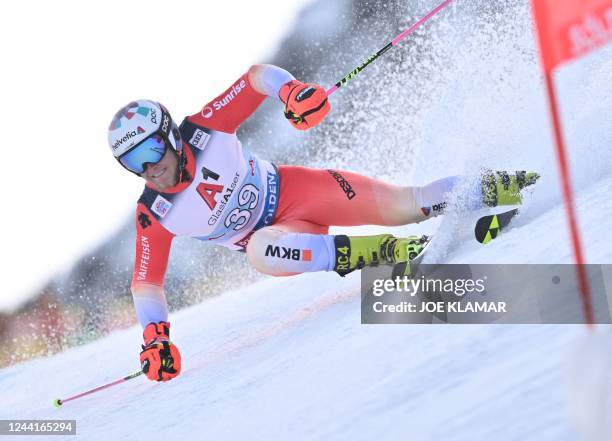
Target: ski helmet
{"x": 140, "y": 133}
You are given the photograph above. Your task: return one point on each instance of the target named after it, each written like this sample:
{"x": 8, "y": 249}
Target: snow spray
{"x": 352, "y": 74}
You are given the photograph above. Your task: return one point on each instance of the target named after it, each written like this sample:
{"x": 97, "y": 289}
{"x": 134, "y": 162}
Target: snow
{"x": 590, "y": 391}
{"x": 288, "y": 358}
{"x": 281, "y": 361}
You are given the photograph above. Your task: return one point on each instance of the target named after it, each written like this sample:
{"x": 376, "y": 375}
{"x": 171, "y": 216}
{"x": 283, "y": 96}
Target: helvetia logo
{"x": 140, "y": 130}
{"x": 126, "y": 137}
{"x": 208, "y": 111}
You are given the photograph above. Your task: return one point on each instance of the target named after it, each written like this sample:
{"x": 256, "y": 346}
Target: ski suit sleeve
{"x": 230, "y": 109}
{"x": 153, "y": 244}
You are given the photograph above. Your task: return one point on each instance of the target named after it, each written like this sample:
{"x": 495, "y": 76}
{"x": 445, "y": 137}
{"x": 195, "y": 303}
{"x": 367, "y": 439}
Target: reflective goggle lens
{"x": 151, "y": 150}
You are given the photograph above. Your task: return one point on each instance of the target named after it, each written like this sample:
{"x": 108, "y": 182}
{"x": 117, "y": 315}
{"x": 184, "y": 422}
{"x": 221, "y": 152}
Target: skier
{"x": 201, "y": 182}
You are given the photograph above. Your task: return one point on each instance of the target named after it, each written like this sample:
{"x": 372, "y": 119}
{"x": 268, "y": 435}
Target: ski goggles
{"x": 152, "y": 149}
{"x": 149, "y": 151}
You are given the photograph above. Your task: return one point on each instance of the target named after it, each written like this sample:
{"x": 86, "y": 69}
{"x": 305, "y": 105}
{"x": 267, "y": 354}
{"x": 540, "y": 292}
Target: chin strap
{"x": 182, "y": 175}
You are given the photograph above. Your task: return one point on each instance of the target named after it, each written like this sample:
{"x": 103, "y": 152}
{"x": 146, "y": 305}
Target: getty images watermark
{"x": 483, "y": 294}
{"x": 413, "y": 286}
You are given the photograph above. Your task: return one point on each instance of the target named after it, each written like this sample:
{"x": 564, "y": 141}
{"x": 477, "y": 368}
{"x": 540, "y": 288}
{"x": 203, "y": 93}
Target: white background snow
{"x": 289, "y": 359}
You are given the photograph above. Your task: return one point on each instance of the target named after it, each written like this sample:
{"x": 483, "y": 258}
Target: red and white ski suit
{"x": 279, "y": 215}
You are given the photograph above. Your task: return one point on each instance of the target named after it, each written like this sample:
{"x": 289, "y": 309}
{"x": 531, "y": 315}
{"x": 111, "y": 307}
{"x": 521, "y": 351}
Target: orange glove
{"x": 305, "y": 104}
{"x": 160, "y": 360}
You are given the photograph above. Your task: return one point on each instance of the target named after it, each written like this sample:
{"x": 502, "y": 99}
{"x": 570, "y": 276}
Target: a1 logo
{"x": 207, "y": 190}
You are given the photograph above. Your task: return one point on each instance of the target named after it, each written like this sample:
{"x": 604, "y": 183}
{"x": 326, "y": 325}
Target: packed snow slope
{"x": 287, "y": 359}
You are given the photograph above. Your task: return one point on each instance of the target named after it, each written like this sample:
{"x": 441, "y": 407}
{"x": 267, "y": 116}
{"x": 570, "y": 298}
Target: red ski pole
{"x": 58, "y": 402}
{"x": 352, "y": 74}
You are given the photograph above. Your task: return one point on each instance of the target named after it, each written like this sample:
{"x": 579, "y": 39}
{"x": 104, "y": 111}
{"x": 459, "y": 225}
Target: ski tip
{"x": 57, "y": 402}
{"x": 488, "y": 227}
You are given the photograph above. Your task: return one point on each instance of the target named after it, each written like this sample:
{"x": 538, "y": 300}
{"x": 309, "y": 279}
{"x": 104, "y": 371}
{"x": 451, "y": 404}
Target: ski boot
{"x": 357, "y": 252}
{"x": 501, "y": 188}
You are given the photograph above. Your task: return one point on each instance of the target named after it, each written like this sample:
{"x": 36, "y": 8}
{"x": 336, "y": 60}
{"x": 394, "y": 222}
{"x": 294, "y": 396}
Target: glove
{"x": 305, "y": 104}
{"x": 160, "y": 360}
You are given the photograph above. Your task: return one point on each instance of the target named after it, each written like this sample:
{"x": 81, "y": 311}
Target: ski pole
{"x": 392, "y": 43}
{"x": 58, "y": 402}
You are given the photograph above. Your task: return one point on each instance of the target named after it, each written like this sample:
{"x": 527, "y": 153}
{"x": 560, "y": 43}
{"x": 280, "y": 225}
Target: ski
{"x": 488, "y": 227}
{"x": 410, "y": 268}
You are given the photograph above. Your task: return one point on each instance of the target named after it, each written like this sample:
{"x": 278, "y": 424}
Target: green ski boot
{"x": 357, "y": 252}
{"x": 501, "y": 188}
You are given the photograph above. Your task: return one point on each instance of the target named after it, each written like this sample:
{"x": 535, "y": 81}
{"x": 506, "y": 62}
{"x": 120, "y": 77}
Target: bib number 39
{"x": 248, "y": 198}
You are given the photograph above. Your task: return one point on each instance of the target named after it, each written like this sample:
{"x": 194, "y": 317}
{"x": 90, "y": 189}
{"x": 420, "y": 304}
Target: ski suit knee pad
{"x": 279, "y": 253}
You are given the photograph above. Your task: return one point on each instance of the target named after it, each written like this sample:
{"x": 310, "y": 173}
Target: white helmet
{"x": 140, "y": 133}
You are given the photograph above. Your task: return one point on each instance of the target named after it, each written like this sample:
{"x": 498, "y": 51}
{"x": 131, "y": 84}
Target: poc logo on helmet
{"x": 165, "y": 124}
{"x": 153, "y": 116}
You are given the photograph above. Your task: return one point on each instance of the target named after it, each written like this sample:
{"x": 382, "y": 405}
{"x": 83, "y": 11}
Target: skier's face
{"x": 164, "y": 174}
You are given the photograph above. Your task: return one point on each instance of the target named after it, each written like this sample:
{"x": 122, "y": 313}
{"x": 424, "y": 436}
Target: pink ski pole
{"x": 58, "y": 402}
{"x": 392, "y": 43}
